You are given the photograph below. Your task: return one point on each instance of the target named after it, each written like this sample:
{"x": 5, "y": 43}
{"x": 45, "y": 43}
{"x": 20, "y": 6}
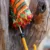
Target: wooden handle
{"x": 34, "y": 47}
{"x": 24, "y": 43}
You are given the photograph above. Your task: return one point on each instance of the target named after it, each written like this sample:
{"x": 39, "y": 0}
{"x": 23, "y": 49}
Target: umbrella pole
{"x": 23, "y": 39}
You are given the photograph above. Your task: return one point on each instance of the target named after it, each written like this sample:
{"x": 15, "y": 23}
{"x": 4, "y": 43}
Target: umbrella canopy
{"x": 20, "y": 13}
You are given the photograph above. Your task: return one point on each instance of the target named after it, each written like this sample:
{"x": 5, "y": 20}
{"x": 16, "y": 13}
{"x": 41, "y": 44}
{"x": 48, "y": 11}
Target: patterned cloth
{"x": 20, "y": 13}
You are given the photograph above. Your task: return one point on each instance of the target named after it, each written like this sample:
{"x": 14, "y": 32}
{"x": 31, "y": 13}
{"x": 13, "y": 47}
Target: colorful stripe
{"x": 16, "y": 1}
{"x": 19, "y": 3}
{"x": 12, "y": 2}
{"x": 22, "y": 9}
{"x": 16, "y": 9}
{"x": 21, "y": 6}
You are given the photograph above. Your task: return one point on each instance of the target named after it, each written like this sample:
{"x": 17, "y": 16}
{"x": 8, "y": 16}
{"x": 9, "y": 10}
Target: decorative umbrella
{"x": 21, "y": 17}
